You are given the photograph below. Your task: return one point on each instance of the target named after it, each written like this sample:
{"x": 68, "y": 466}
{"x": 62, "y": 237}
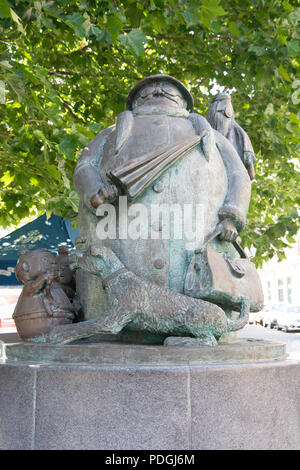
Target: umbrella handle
{"x": 101, "y": 197}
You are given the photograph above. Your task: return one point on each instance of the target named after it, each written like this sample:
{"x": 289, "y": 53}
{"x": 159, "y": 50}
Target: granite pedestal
{"x": 244, "y": 395}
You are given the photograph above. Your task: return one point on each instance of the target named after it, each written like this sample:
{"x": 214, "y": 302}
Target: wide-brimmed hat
{"x": 160, "y": 77}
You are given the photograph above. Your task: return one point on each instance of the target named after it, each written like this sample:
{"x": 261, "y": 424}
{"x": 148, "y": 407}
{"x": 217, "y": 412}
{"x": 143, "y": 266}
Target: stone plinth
{"x": 112, "y": 353}
{"x": 181, "y": 402}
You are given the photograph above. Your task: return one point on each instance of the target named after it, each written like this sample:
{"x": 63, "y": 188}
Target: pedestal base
{"x": 178, "y": 402}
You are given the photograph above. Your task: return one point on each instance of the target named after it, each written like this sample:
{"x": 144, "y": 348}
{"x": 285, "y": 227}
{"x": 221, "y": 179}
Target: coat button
{"x": 158, "y": 187}
{"x": 159, "y": 263}
{"x": 197, "y": 267}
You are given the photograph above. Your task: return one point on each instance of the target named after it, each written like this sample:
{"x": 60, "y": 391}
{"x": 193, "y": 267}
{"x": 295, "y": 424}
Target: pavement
{"x": 9, "y": 335}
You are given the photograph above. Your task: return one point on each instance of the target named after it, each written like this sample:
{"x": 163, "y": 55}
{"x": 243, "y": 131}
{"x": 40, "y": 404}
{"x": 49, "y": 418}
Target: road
{"x": 292, "y": 340}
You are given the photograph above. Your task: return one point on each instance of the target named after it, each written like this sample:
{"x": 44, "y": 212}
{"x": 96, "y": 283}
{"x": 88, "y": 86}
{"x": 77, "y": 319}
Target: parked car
{"x": 255, "y": 318}
{"x": 270, "y": 314}
{"x": 251, "y": 318}
{"x": 289, "y": 320}
{"x": 270, "y": 319}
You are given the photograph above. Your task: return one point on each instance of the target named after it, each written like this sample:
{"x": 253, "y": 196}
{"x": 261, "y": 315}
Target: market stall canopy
{"x": 49, "y": 234}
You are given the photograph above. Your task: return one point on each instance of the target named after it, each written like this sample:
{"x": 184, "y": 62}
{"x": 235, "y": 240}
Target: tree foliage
{"x": 66, "y": 68}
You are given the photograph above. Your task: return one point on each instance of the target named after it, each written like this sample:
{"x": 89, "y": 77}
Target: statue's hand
{"x": 249, "y": 159}
{"x": 108, "y": 192}
{"x": 51, "y": 274}
{"x": 228, "y": 230}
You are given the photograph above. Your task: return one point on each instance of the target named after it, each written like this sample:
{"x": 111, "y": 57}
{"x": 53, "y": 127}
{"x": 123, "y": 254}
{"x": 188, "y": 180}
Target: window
{"x": 289, "y": 290}
{"x": 280, "y": 290}
{"x": 269, "y": 292}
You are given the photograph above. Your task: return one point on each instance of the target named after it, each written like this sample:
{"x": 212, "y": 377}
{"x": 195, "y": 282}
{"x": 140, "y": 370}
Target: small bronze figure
{"x": 221, "y": 118}
{"x": 66, "y": 278}
{"x": 42, "y": 304}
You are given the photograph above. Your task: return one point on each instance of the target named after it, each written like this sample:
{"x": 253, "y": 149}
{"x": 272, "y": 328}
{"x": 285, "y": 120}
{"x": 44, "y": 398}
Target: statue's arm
{"x": 36, "y": 286}
{"x": 245, "y": 149}
{"x": 236, "y": 203}
{"x": 87, "y": 177}
{"x": 204, "y": 130}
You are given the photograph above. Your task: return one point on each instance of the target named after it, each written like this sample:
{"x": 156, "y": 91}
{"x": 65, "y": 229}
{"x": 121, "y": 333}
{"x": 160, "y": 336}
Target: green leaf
{"x": 233, "y": 28}
{"x": 61, "y": 168}
{"x": 135, "y": 40}
{"x": 210, "y": 10}
{"x": 7, "y": 178}
{"x": 114, "y": 26}
{"x": 17, "y": 86}
{"x": 54, "y": 172}
{"x": 258, "y": 50}
{"x": 4, "y": 9}
{"x": 213, "y": 7}
{"x": 33, "y": 181}
{"x": 76, "y": 21}
{"x": 190, "y": 18}
{"x": 95, "y": 126}
{"x": 98, "y": 33}
{"x": 73, "y": 200}
{"x": 284, "y": 73}
{"x": 293, "y": 47}
{"x": 17, "y": 20}
{"x": 68, "y": 145}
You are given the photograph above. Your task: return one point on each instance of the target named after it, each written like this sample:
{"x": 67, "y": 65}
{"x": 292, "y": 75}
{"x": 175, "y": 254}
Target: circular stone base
{"x": 242, "y": 395}
{"x": 240, "y": 351}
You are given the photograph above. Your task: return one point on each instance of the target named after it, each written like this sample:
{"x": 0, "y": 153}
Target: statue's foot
{"x": 208, "y": 340}
{"x": 62, "y": 334}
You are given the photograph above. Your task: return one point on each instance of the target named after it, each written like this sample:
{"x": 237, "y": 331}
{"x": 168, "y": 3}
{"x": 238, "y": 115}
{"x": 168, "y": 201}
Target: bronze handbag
{"x": 230, "y": 283}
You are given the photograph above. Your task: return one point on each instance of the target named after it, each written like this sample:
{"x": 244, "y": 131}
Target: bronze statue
{"x": 221, "y": 118}
{"x": 160, "y": 153}
{"x": 42, "y": 303}
{"x": 158, "y": 118}
{"x": 147, "y": 308}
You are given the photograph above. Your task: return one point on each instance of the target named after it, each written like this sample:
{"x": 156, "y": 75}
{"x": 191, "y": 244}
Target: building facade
{"x": 281, "y": 280}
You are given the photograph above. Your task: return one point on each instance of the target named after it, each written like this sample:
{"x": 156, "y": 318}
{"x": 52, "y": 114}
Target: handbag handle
{"x": 236, "y": 245}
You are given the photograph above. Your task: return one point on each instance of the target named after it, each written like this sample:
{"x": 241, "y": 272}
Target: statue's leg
{"x": 196, "y": 328}
{"x": 110, "y": 323}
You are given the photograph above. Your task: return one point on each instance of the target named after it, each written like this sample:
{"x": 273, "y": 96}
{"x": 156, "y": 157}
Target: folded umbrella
{"x": 137, "y": 174}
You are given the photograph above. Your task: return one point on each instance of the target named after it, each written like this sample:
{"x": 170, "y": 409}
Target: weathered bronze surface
{"x": 43, "y": 303}
{"x": 221, "y": 118}
{"x": 211, "y": 174}
{"x": 66, "y": 278}
{"x": 161, "y": 153}
{"x": 215, "y": 277}
{"x": 146, "y": 306}
{"x": 172, "y": 352}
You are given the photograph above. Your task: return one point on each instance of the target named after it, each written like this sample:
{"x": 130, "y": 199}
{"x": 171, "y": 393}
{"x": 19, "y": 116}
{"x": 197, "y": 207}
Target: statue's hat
{"x": 221, "y": 97}
{"x": 160, "y": 77}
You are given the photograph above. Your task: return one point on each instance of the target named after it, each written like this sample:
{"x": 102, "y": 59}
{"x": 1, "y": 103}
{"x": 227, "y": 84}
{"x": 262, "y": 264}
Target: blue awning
{"x": 40, "y": 234}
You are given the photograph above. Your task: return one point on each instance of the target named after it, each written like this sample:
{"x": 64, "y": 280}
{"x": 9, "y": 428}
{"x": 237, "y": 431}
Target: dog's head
{"x": 98, "y": 260}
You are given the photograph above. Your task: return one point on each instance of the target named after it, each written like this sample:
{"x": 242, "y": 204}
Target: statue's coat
{"x": 211, "y": 175}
